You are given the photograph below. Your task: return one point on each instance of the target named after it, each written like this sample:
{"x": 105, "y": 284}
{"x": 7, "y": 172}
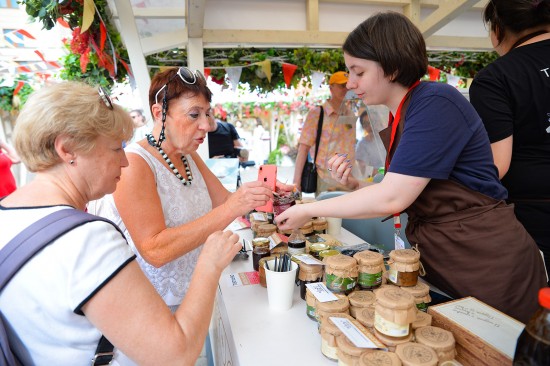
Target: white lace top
{"x": 180, "y": 204}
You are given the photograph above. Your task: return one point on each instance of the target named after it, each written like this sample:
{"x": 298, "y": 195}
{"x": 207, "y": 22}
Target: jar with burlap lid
{"x": 365, "y": 316}
{"x": 421, "y": 294}
{"x": 266, "y": 230}
{"x": 309, "y": 273}
{"x": 320, "y": 225}
{"x": 329, "y": 332}
{"x": 261, "y": 269}
{"x": 311, "y": 304}
{"x": 370, "y": 267}
{"x": 379, "y": 358}
{"x": 422, "y": 320}
{"x": 324, "y": 309}
{"x": 255, "y": 224}
{"x": 416, "y": 354}
{"x": 307, "y": 229}
{"x": 349, "y": 353}
{"x": 360, "y": 299}
{"x": 404, "y": 266}
{"x": 394, "y": 312}
{"x": 340, "y": 273}
{"x": 440, "y": 340}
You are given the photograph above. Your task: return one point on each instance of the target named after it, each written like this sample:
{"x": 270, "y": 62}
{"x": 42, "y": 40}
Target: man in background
{"x": 336, "y": 137}
{"x": 224, "y": 142}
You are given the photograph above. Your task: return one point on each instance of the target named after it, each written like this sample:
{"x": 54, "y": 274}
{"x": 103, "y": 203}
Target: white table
{"x": 245, "y": 332}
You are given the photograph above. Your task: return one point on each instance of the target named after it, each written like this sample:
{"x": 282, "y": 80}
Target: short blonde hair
{"x": 73, "y": 109}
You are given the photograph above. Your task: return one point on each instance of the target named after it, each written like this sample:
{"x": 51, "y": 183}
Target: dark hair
{"x": 515, "y": 15}
{"x": 176, "y": 87}
{"x": 393, "y": 41}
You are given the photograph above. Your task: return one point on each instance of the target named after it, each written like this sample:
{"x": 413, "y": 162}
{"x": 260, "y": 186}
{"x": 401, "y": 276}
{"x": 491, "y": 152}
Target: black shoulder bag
{"x": 309, "y": 173}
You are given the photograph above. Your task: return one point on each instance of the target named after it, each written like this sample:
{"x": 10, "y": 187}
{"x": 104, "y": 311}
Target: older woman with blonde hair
{"x": 86, "y": 283}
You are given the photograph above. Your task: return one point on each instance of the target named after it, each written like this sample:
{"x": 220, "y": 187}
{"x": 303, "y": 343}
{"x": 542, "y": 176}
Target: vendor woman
{"x": 440, "y": 171}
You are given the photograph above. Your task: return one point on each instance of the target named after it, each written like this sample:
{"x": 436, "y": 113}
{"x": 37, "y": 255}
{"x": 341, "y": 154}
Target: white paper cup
{"x": 280, "y": 286}
{"x": 334, "y": 225}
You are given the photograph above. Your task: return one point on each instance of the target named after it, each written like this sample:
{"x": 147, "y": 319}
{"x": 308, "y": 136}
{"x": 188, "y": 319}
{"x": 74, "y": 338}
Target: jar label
{"x": 370, "y": 279}
{"x": 392, "y": 275}
{"x": 310, "y": 311}
{"x": 389, "y": 328}
{"x": 422, "y": 307}
{"x": 339, "y": 284}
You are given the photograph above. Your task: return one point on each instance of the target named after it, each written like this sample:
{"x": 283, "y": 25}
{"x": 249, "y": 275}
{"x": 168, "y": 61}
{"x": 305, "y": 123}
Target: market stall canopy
{"x": 151, "y": 26}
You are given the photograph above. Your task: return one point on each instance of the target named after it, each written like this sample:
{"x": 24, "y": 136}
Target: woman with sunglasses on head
{"x": 86, "y": 283}
{"x": 512, "y": 97}
{"x": 168, "y": 201}
{"x": 440, "y": 171}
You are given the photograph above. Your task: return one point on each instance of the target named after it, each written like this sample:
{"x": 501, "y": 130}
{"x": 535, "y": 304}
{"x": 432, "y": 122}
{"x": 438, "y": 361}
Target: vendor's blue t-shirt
{"x": 444, "y": 138}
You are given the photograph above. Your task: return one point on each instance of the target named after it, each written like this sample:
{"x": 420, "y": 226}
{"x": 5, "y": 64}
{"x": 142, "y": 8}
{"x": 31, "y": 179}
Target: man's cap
{"x": 339, "y": 77}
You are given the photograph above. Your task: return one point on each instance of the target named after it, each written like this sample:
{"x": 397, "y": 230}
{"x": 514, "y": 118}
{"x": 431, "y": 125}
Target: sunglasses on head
{"x": 186, "y": 75}
{"x": 104, "y": 95}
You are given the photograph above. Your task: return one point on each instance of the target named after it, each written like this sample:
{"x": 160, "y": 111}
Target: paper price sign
{"x": 353, "y": 333}
{"x": 321, "y": 292}
{"x": 308, "y": 259}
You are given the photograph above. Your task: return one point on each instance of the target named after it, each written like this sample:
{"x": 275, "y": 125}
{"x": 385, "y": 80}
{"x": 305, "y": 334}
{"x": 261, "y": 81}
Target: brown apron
{"x": 472, "y": 245}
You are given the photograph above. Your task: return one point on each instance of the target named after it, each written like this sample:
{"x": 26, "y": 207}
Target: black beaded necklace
{"x": 175, "y": 170}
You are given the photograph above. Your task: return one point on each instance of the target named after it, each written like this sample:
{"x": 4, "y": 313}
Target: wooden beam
{"x": 266, "y": 37}
{"x": 156, "y": 13}
{"x": 312, "y": 15}
{"x": 412, "y": 11}
{"x": 447, "y": 11}
{"x": 463, "y": 43}
{"x": 196, "y": 18}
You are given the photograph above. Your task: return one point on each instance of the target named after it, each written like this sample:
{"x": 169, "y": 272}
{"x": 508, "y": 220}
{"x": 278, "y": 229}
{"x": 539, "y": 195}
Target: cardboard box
{"x": 484, "y": 335}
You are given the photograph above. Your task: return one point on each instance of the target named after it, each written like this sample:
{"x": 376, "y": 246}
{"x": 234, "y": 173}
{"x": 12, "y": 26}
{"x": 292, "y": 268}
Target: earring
{"x": 71, "y": 162}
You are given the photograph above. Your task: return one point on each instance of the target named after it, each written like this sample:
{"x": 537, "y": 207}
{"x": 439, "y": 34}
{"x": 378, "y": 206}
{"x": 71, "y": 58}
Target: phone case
{"x": 268, "y": 175}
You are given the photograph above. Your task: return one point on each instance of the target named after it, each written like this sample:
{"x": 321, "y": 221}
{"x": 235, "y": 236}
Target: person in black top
{"x": 224, "y": 142}
{"x": 512, "y": 96}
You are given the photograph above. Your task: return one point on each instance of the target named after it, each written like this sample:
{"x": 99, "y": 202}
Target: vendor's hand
{"x": 293, "y": 217}
{"x": 282, "y": 187}
{"x": 249, "y": 196}
{"x": 219, "y": 249}
{"x": 339, "y": 167}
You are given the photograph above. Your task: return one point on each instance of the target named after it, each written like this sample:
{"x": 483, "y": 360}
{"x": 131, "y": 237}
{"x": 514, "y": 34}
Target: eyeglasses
{"x": 186, "y": 75}
{"x": 104, "y": 95}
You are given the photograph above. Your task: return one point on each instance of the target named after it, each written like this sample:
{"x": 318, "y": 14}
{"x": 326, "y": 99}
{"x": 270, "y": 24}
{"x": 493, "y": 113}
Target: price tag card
{"x": 321, "y": 292}
{"x": 259, "y": 216}
{"x": 399, "y": 243}
{"x": 237, "y": 225}
{"x": 308, "y": 259}
{"x": 243, "y": 278}
{"x": 358, "y": 338}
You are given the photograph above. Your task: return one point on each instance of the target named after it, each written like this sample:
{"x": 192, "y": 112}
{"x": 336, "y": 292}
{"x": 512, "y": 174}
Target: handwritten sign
{"x": 494, "y": 327}
{"x": 321, "y": 292}
{"x": 353, "y": 333}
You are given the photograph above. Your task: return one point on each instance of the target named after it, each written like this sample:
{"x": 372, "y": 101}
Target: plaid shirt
{"x": 338, "y": 136}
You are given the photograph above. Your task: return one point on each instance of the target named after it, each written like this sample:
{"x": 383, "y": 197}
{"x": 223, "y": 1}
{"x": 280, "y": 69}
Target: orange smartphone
{"x": 268, "y": 175}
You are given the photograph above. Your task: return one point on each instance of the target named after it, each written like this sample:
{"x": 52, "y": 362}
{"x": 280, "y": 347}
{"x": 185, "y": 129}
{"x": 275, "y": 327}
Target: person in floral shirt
{"x": 338, "y": 134}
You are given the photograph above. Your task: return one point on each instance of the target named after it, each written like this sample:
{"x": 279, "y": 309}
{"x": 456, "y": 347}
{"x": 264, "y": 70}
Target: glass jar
{"x": 260, "y": 241}
{"x": 404, "y": 265}
{"x": 349, "y": 353}
{"x": 283, "y": 201}
{"x": 329, "y": 332}
{"x": 359, "y": 300}
{"x": 309, "y": 273}
{"x": 328, "y": 308}
{"x": 365, "y": 316}
{"x": 261, "y": 269}
{"x": 340, "y": 273}
{"x": 394, "y": 312}
{"x": 317, "y": 248}
{"x": 307, "y": 229}
{"x": 324, "y": 254}
{"x": 370, "y": 267}
{"x": 379, "y": 358}
{"x": 421, "y": 294}
{"x": 416, "y": 354}
{"x": 311, "y": 302}
{"x": 320, "y": 225}
{"x": 296, "y": 243}
{"x": 422, "y": 320}
{"x": 266, "y": 230}
{"x": 257, "y": 254}
{"x": 440, "y": 340}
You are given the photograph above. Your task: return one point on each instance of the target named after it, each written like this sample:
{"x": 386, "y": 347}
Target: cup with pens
{"x": 280, "y": 278}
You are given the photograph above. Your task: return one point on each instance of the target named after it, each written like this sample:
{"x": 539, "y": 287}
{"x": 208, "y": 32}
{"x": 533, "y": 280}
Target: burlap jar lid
{"x": 392, "y": 341}
{"x": 320, "y": 223}
{"x": 383, "y": 286}
{"x": 393, "y": 297}
{"x": 405, "y": 255}
{"x": 422, "y": 320}
{"x": 361, "y": 298}
{"x": 418, "y": 290}
{"x": 310, "y": 272}
{"x": 328, "y": 326}
{"x": 416, "y": 354}
{"x": 347, "y": 346}
{"x": 379, "y": 358}
{"x": 439, "y": 339}
{"x": 365, "y": 316}
{"x": 340, "y": 261}
{"x": 260, "y": 241}
{"x": 266, "y": 229}
{"x": 369, "y": 258}
{"x": 307, "y": 228}
{"x": 310, "y": 268}
{"x": 342, "y": 304}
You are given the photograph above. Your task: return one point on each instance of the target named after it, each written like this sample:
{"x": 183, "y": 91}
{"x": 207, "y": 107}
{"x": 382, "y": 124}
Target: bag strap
{"x": 319, "y": 130}
{"x": 37, "y": 236}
